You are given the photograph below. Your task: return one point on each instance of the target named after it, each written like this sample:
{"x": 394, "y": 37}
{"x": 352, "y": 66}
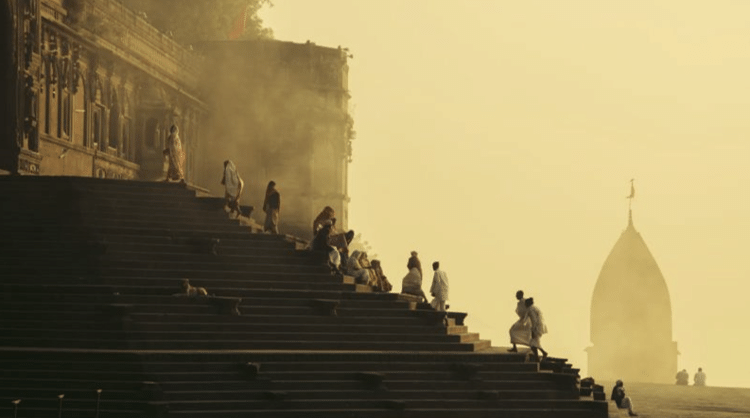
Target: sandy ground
{"x": 671, "y": 401}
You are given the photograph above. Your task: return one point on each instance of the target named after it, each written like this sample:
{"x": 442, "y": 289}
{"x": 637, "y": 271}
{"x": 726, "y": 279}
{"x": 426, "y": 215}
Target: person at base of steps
{"x": 439, "y": 288}
{"x": 682, "y": 378}
{"x": 272, "y": 208}
{"x": 233, "y": 187}
{"x": 700, "y": 378}
{"x": 520, "y": 331}
{"x": 622, "y": 401}
{"x": 538, "y": 328}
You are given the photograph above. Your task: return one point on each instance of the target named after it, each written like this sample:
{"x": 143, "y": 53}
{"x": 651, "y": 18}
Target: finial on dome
{"x": 630, "y": 203}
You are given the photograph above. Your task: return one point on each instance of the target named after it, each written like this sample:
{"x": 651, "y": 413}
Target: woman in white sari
{"x": 520, "y": 331}
{"x": 233, "y": 186}
{"x": 176, "y": 156}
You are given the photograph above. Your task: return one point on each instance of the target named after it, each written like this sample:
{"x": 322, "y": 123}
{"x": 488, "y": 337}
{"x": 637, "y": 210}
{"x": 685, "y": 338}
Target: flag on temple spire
{"x": 238, "y": 28}
{"x": 632, "y": 190}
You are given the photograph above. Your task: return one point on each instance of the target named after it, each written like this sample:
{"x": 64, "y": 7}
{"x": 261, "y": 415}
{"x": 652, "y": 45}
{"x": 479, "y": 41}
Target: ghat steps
{"x": 87, "y": 269}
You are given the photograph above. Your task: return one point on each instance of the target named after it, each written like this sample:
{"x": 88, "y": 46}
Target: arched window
{"x": 114, "y": 123}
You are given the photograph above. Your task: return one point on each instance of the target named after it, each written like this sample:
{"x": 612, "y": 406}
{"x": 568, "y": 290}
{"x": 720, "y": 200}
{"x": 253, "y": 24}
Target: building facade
{"x": 631, "y": 316}
{"x": 93, "y": 90}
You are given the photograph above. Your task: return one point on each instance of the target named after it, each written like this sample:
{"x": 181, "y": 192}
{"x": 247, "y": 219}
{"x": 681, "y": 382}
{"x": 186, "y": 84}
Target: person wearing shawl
{"x": 520, "y": 332}
{"x": 414, "y": 263}
{"x": 439, "y": 288}
{"x": 272, "y": 207}
{"x": 233, "y": 186}
{"x": 354, "y": 268}
{"x": 538, "y": 328}
{"x": 326, "y": 215}
{"x": 176, "y": 156}
{"x": 412, "y": 284}
{"x": 383, "y": 285}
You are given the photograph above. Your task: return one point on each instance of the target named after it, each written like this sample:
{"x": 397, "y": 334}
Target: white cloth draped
{"x": 439, "y": 286}
{"x": 520, "y": 331}
{"x": 538, "y": 327}
{"x": 232, "y": 181}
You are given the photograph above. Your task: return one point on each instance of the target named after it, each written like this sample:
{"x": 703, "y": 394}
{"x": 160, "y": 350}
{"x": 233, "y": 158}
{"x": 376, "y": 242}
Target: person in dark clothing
{"x": 414, "y": 263}
{"x": 622, "y": 401}
{"x": 272, "y": 207}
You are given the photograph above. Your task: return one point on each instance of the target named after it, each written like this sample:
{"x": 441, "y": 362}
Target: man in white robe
{"x": 538, "y": 328}
{"x": 520, "y": 331}
{"x": 439, "y": 288}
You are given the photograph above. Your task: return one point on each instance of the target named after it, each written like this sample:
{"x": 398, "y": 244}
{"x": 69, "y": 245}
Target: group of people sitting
{"x": 336, "y": 246}
{"x": 233, "y": 187}
{"x": 699, "y": 379}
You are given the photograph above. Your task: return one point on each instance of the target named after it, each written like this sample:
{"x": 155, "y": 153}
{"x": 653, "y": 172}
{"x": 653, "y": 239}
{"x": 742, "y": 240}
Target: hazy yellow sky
{"x": 499, "y": 138}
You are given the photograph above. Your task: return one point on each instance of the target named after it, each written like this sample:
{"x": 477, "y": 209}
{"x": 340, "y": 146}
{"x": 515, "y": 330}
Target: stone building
{"x": 631, "y": 316}
{"x": 90, "y": 88}
{"x": 279, "y": 110}
{"x": 93, "y": 90}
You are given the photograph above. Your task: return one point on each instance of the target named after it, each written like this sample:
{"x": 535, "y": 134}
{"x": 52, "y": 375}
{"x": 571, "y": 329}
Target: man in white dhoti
{"x": 538, "y": 328}
{"x": 700, "y": 378}
{"x": 622, "y": 401}
{"x": 439, "y": 288}
{"x": 520, "y": 331}
{"x": 233, "y": 186}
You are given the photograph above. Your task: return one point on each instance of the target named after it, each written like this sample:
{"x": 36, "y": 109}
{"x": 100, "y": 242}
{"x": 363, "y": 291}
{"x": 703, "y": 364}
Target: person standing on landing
{"x": 272, "y": 207}
{"x": 439, "y": 288}
{"x": 520, "y": 331}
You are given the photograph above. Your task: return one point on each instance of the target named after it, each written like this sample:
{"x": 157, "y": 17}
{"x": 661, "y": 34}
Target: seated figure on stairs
{"x": 355, "y": 269}
{"x": 321, "y": 244}
{"x": 382, "y": 285}
{"x": 412, "y": 284}
{"x": 622, "y": 401}
{"x": 683, "y": 378}
{"x": 326, "y": 215}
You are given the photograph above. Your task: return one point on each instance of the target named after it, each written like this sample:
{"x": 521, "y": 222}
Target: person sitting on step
{"x": 355, "y": 269}
{"x": 190, "y": 290}
{"x": 622, "y": 401}
{"x": 324, "y": 216}
{"x": 412, "y": 284}
{"x": 320, "y": 244}
{"x": 683, "y": 378}
{"x": 383, "y": 285}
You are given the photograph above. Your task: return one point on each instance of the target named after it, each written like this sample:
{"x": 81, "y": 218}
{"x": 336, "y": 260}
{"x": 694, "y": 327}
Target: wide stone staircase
{"x": 88, "y": 269}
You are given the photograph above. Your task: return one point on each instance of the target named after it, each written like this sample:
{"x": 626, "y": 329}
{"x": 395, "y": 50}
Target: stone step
{"x": 136, "y": 334}
{"x": 135, "y": 250}
{"x": 132, "y": 344}
{"x": 249, "y": 243}
{"x": 250, "y": 394}
{"x": 359, "y": 404}
{"x": 388, "y": 413}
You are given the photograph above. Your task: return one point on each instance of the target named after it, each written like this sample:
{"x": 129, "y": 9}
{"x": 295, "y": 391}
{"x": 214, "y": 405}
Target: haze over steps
{"x": 89, "y": 267}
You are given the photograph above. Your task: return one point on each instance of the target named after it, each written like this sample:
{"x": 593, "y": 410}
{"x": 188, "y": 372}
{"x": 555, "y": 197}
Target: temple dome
{"x": 631, "y": 315}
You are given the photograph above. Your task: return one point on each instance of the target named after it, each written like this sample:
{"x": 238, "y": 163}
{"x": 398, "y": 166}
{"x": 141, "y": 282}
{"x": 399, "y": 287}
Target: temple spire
{"x": 630, "y": 203}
